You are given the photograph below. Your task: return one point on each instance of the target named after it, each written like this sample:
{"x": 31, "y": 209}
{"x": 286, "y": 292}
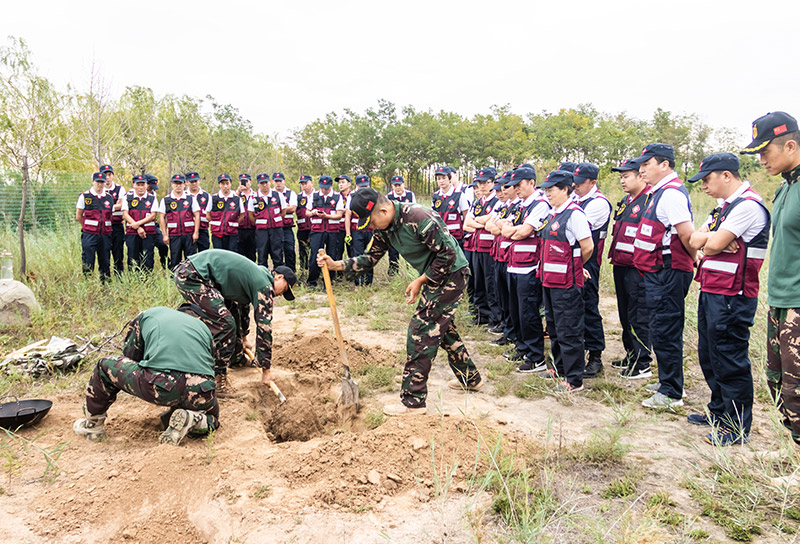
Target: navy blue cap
{"x": 655, "y": 150}
{"x": 99, "y": 176}
{"x": 106, "y": 168}
{"x": 362, "y": 180}
{"x": 325, "y": 181}
{"x": 443, "y": 171}
{"x": 178, "y": 178}
{"x": 626, "y": 166}
{"x": 486, "y": 174}
{"x": 305, "y": 178}
{"x": 769, "y": 127}
{"x": 555, "y": 177}
{"x": 397, "y": 180}
{"x": 526, "y": 165}
{"x": 192, "y": 176}
{"x": 223, "y": 177}
{"x": 278, "y": 176}
{"x": 244, "y": 177}
{"x": 342, "y": 176}
{"x": 568, "y": 166}
{"x": 139, "y": 179}
{"x": 716, "y": 163}
{"x": 262, "y": 178}
{"x": 584, "y": 171}
{"x": 152, "y": 181}
{"x": 519, "y": 174}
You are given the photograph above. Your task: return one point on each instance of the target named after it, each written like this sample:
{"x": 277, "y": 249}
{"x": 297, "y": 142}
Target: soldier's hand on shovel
{"x": 266, "y": 376}
{"x": 324, "y": 259}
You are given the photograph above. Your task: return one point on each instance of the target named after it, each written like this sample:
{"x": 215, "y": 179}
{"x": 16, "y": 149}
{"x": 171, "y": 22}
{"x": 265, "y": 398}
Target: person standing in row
{"x": 325, "y": 206}
{"x": 662, "y": 253}
{"x": 360, "y": 239}
{"x": 117, "y": 228}
{"x": 504, "y": 213}
{"x": 634, "y": 315}
{"x": 94, "y": 214}
{"x": 776, "y": 139}
{"x": 449, "y": 204}
{"x": 344, "y": 184}
{"x": 265, "y": 212}
{"x": 398, "y": 194}
{"x": 598, "y": 211}
{"x": 247, "y": 230}
{"x": 139, "y": 211}
{"x": 303, "y": 228}
{"x": 163, "y": 249}
{"x": 179, "y": 216}
{"x": 224, "y": 211}
{"x": 202, "y": 198}
{"x": 290, "y": 198}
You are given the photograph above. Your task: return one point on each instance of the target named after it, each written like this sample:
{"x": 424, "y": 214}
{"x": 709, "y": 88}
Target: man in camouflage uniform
{"x": 167, "y": 360}
{"x": 219, "y": 281}
{"x": 421, "y": 237}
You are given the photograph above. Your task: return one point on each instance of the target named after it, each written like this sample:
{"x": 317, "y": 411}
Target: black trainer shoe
{"x": 532, "y": 366}
{"x": 513, "y": 357}
{"x": 620, "y": 363}
{"x": 502, "y": 341}
{"x": 636, "y": 373}
{"x": 594, "y": 366}
{"x": 496, "y": 329}
{"x": 698, "y": 419}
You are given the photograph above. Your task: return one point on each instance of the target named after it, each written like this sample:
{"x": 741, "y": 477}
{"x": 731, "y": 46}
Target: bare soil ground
{"x": 292, "y": 473}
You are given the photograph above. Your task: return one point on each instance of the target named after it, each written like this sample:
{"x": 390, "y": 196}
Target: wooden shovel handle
{"x": 334, "y": 314}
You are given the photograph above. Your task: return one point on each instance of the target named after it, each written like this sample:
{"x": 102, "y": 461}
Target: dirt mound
{"x": 319, "y": 354}
{"x": 295, "y": 419}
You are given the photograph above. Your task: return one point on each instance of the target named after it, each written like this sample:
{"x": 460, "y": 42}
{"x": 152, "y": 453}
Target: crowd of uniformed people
{"x": 535, "y": 247}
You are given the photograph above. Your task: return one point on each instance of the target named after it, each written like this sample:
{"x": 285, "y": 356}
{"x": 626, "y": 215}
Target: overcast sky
{"x": 286, "y": 63}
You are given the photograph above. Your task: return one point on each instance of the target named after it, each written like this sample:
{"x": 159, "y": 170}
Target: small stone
{"x": 91, "y": 489}
{"x": 502, "y": 421}
{"x": 374, "y": 477}
{"x": 390, "y": 485}
{"x": 113, "y": 474}
{"x": 418, "y": 443}
{"x": 362, "y": 479}
{"x": 127, "y": 535}
{"x": 394, "y": 477}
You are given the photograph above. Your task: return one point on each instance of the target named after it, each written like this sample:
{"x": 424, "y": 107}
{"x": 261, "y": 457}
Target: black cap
{"x": 152, "y": 181}
{"x": 342, "y": 176}
{"x": 106, "y": 168}
{"x": 305, "y": 178}
{"x": 139, "y": 179}
{"x": 555, "y": 177}
{"x": 178, "y": 178}
{"x": 262, "y": 178}
{"x": 442, "y": 171}
{"x": 523, "y": 172}
{"x": 278, "y": 176}
{"x": 584, "y": 171}
{"x": 568, "y": 166}
{"x": 397, "y": 180}
{"x": 655, "y": 150}
{"x": 291, "y": 280}
{"x": 716, "y": 163}
{"x": 244, "y": 177}
{"x": 486, "y": 174}
{"x": 769, "y": 127}
{"x": 99, "y": 176}
{"x": 362, "y": 180}
{"x": 626, "y": 165}
{"x": 325, "y": 181}
{"x": 362, "y": 203}
{"x": 223, "y": 177}
{"x": 192, "y": 176}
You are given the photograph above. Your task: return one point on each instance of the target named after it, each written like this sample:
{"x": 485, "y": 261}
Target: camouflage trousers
{"x": 217, "y": 314}
{"x": 783, "y": 364}
{"x": 162, "y": 388}
{"x": 432, "y": 325}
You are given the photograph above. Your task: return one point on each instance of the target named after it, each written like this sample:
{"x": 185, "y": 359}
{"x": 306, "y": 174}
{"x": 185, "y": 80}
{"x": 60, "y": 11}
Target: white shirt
{"x": 210, "y": 204}
{"x": 153, "y": 207}
{"x": 673, "y": 207}
{"x": 82, "y": 205}
{"x": 402, "y": 195}
{"x": 251, "y": 202}
{"x": 463, "y": 203}
{"x": 162, "y": 207}
{"x": 292, "y": 200}
{"x": 577, "y": 226}
{"x": 597, "y": 211}
{"x": 539, "y": 212}
{"x": 747, "y": 219}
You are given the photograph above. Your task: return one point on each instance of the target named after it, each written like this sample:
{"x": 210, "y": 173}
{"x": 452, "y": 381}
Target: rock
{"x": 113, "y": 474}
{"x": 127, "y": 535}
{"x": 418, "y": 443}
{"x": 374, "y": 477}
{"x": 390, "y": 485}
{"x": 395, "y": 478}
{"x": 17, "y": 303}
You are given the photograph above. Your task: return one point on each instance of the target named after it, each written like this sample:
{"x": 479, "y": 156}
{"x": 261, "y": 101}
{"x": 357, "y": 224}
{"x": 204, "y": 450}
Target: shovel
{"x": 272, "y": 385}
{"x": 348, "y": 401}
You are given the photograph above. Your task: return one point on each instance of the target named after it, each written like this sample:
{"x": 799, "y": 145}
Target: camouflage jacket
{"x": 421, "y": 237}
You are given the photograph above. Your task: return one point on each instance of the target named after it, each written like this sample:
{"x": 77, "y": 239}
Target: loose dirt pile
{"x": 295, "y": 419}
{"x": 319, "y": 354}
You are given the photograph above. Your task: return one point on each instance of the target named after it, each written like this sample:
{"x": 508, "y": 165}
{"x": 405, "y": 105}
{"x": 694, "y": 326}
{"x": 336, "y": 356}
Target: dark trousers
{"x": 318, "y": 240}
{"x": 336, "y": 244}
{"x": 203, "y": 243}
{"x": 470, "y": 256}
{"x": 289, "y": 255}
{"x": 303, "y": 248}
{"x": 504, "y": 293}
{"x": 723, "y": 327}
{"x": 247, "y": 243}
{"x": 524, "y": 310}
{"x": 180, "y": 247}
{"x": 163, "y": 249}
{"x": 593, "y": 337}
{"x": 358, "y": 247}
{"x": 634, "y": 316}
{"x": 564, "y": 313}
{"x": 666, "y": 291}
{"x": 486, "y": 299}
{"x": 117, "y": 243}
{"x": 141, "y": 251}
{"x": 394, "y": 261}
{"x": 269, "y": 243}
{"x": 95, "y": 246}
{"x": 229, "y": 242}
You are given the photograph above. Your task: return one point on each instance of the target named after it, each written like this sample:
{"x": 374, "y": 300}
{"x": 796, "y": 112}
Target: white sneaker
{"x": 653, "y": 387}
{"x": 636, "y": 374}
{"x": 661, "y": 402}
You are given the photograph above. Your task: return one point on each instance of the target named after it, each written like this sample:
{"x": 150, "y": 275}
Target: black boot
{"x": 594, "y": 365}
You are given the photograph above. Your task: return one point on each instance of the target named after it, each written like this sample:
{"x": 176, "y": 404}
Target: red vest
{"x": 302, "y": 218}
{"x": 224, "y": 215}
{"x": 447, "y": 208}
{"x": 268, "y": 210}
{"x": 623, "y": 233}
{"x": 525, "y": 252}
{"x": 326, "y": 204}
{"x": 202, "y": 200}
{"x": 178, "y": 215}
{"x": 502, "y": 245}
{"x": 96, "y": 213}
{"x": 735, "y": 273}
{"x": 483, "y": 239}
{"x": 288, "y": 220}
{"x": 561, "y": 265}
{"x": 245, "y": 222}
{"x": 116, "y": 216}
{"x": 138, "y": 209}
{"x": 649, "y": 253}
{"x": 599, "y": 235}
